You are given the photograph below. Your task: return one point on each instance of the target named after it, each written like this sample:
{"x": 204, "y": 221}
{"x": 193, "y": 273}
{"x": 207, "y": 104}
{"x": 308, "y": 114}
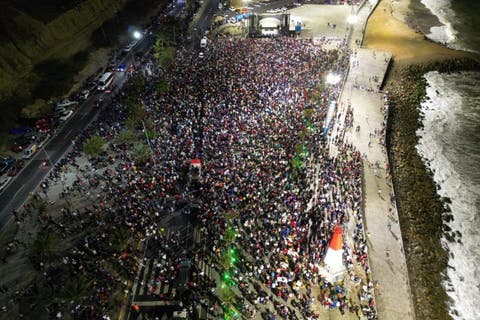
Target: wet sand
{"x": 387, "y": 30}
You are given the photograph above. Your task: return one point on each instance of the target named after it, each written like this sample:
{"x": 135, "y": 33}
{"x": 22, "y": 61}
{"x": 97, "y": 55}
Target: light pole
{"x": 137, "y": 36}
{"x": 149, "y": 145}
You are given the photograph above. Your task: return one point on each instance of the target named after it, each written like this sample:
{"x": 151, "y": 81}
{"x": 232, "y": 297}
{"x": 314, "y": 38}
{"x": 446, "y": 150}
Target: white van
{"x": 203, "y": 42}
{"x": 28, "y": 153}
{"x": 105, "y": 81}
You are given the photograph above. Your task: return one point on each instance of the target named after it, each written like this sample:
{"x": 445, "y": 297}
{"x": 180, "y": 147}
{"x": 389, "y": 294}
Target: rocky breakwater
{"x": 422, "y": 212}
{"x": 28, "y": 37}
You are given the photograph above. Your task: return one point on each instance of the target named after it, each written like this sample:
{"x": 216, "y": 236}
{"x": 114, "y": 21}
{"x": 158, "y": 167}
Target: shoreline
{"x": 422, "y": 211}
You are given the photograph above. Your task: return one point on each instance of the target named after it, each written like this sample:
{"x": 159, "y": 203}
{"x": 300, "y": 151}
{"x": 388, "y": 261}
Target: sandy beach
{"x": 387, "y": 30}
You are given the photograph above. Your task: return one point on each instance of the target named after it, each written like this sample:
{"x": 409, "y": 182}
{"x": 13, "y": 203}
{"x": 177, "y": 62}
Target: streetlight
{"x": 137, "y": 35}
{"x": 333, "y": 78}
{"x": 352, "y": 19}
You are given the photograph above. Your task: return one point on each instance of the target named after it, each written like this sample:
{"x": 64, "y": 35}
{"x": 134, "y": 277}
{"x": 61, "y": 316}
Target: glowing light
{"x": 333, "y": 78}
{"x": 137, "y": 34}
{"x": 352, "y": 19}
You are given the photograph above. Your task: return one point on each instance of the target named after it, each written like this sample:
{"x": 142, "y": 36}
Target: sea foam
{"x": 448, "y": 144}
{"x": 445, "y": 33}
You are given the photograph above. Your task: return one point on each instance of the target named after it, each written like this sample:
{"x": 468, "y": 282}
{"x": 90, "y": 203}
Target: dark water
{"x": 453, "y": 22}
{"x": 450, "y": 141}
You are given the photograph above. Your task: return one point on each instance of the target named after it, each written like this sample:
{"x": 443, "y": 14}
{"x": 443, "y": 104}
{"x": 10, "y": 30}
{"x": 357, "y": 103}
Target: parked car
{"x": 65, "y": 115}
{"x": 21, "y": 143}
{"x": 122, "y": 67}
{"x": 130, "y": 46}
{"x": 4, "y": 182}
{"x": 84, "y": 94}
{"x": 201, "y": 55}
{"x": 43, "y": 125}
{"x": 5, "y": 164}
{"x": 59, "y": 109}
{"x": 15, "y": 169}
{"x": 30, "y": 151}
{"x": 66, "y": 103}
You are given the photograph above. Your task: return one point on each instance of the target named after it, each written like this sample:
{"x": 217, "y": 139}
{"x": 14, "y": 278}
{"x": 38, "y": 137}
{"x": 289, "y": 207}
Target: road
{"x": 26, "y": 182}
{"x": 16, "y": 193}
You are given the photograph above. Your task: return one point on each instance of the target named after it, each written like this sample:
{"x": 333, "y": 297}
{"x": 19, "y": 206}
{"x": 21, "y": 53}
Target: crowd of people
{"x": 253, "y": 112}
{"x": 248, "y": 112}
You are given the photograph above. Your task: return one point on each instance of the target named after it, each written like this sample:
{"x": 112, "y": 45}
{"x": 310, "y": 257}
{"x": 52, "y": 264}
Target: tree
{"x": 41, "y": 206}
{"x": 162, "y": 86}
{"x": 94, "y": 145}
{"x": 45, "y": 246}
{"x": 227, "y": 296}
{"x": 76, "y": 289}
{"x": 141, "y": 153}
{"x": 163, "y": 55}
{"x": 159, "y": 45}
{"x": 225, "y": 260}
{"x": 126, "y": 136}
{"x": 132, "y": 122}
{"x": 136, "y": 111}
{"x": 139, "y": 84}
{"x": 121, "y": 237}
{"x": 151, "y": 133}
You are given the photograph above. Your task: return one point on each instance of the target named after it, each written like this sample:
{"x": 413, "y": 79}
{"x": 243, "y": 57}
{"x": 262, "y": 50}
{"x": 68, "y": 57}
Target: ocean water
{"x": 450, "y": 143}
{"x": 457, "y": 25}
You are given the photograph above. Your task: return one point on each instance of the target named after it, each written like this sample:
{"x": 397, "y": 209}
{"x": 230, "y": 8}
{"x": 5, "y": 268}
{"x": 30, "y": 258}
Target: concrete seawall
{"x": 370, "y": 106}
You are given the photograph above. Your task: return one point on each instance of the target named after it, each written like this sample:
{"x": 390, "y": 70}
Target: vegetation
{"x": 110, "y": 31}
{"x": 151, "y": 133}
{"x": 167, "y": 57}
{"x": 45, "y": 246}
{"x": 163, "y": 52}
{"x": 76, "y": 288}
{"x": 126, "y": 137}
{"x": 55, "y": 77}
{"x": 141, "y": 153}
{"x": 162, "y": 86}
{"x": 94, "y": 145}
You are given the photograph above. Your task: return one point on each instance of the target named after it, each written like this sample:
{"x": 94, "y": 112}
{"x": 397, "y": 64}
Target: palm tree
{"x": 41, "y": 207}
{"x": 126, "y": 136}
{"x": 226, "y": 295}
{"x": 141, "y": 153}
{"x": 162, "y": 86}
{"x": 226, "y": 260}
{"x": 46, "y": 246}
{"x": 76, "y": 289}
{"x": 121, "y": 236}
{"x": 94, "y": 145}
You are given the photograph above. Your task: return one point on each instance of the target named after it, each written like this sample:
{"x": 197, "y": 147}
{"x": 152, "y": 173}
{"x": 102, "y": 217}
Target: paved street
{"x": 15, "y": 194}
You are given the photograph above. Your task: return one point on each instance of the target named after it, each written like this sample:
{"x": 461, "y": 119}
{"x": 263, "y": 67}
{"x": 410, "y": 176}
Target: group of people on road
{"x": 253, "y": 112}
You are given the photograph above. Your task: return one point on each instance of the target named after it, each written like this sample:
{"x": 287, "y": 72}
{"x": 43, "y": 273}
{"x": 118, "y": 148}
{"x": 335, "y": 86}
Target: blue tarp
{"x": 20, "y": 130}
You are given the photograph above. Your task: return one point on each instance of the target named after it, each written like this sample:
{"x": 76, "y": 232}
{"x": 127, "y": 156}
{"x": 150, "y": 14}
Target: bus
{"x": 105, "y": 81}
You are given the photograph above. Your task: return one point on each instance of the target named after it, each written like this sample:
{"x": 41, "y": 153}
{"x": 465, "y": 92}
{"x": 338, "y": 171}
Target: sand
{"x": 387, "y": 30}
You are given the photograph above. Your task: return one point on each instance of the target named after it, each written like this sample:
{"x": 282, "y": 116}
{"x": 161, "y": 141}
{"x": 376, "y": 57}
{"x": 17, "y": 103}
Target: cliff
{"x": 58, "y": 29}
